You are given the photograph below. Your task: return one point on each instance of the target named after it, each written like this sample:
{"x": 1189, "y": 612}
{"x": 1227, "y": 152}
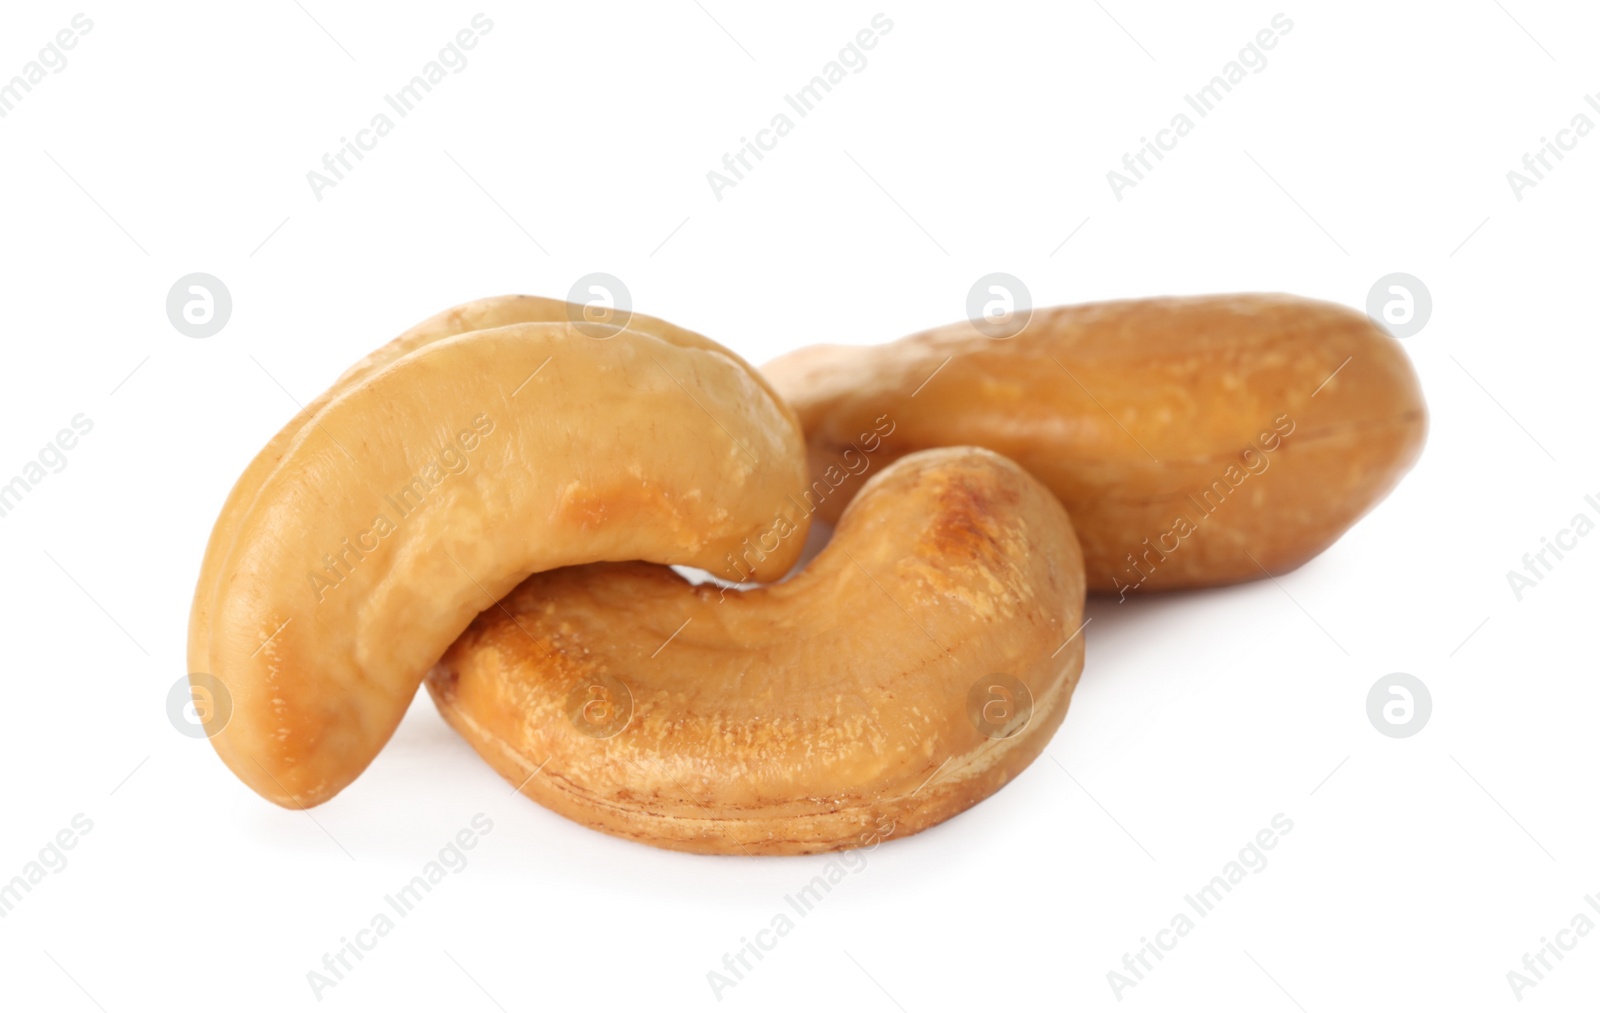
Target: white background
{"x": 577, "y": 139}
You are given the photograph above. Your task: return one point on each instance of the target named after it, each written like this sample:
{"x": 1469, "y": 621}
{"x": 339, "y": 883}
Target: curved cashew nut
{"x": 478, "y": 315}
{"x": 1155, "y": 421}
{"x": 874, "y": 693}
{"x": 435, "y": 476}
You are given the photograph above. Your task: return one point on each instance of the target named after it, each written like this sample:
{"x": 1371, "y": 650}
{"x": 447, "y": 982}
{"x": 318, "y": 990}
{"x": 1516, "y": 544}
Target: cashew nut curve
{"x": 478, "y": 315}
{"x": 1195, "y": 441}
{"x": 439, "y": 473}
{"x": 916, "y": 665}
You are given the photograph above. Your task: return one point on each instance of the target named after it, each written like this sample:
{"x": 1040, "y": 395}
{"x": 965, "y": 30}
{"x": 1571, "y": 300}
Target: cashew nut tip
{"x": 1195, "y": 441}
{"x": 912, "y": 669}
{"x": 490, "y": 442}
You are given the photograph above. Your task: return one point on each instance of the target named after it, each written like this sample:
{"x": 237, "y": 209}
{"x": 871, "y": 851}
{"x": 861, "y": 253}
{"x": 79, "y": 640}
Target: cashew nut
{"x": 436, "y": 475}
{"x": 1195, "y": 441}
{"x": 920, "y": 662}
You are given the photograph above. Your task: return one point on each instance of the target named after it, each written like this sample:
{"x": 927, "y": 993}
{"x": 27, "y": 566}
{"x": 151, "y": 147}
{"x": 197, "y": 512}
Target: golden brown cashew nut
{"x": 478, "y": 315}
{"x": 1195, "y": 441}
{"x": 875, "y": 693}
{"x": 365, "y": 538}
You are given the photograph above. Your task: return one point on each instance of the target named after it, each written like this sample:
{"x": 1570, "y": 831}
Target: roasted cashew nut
{"x": 921, "y": 661}
{"x": 1195, "y": 441}
{"x": 438, "y": 474}
{"x": 479, "y": 315}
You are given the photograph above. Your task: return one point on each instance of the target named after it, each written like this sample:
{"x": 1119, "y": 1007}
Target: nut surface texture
{"x": 910, "y": 670}
{"x": 1195, "y": 441}
{"x": 493, "y": 441}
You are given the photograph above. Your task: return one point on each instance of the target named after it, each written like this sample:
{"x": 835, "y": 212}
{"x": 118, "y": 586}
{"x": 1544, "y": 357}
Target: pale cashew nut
{"x": 1195, "y": 441}
{"x": 434, "y": 477}
{"x": 478, "y": 315}
{"x": 920, "y": 662}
